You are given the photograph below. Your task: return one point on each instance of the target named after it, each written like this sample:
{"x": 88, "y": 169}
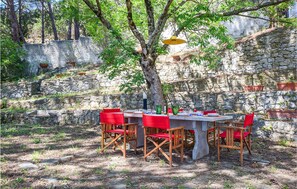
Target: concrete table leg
{"x": 201, "y": 148}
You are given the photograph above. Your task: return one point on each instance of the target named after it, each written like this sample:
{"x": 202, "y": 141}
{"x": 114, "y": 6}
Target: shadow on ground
{"x": 67, "y": 157}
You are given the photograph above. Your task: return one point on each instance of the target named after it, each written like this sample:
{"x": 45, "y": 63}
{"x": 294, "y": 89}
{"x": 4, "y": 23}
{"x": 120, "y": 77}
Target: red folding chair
{"x": 212, "y": 130}
{"x": 114, "y": 128}
{"x": 157, "y": 131}
{"x": 237, "y": 133}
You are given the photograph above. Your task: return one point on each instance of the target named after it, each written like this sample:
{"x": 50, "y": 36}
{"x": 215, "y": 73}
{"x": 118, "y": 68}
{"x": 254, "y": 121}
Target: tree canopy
{"x": 131, "y": 23}
{"x": 123, "y": 26}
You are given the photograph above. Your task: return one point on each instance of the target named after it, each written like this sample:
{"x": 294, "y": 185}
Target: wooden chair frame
{"x": 229, "y": 141}
{"x": 189, "y": 139}
{"x": 211, "y": 136}
{"x": 118, "y": 137}
{"x": 212, "y": 131}
{"x": 175, "y": 140}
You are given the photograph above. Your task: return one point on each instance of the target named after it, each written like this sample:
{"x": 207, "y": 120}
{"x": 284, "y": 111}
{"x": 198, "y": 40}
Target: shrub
{"x": 12, "y": 65}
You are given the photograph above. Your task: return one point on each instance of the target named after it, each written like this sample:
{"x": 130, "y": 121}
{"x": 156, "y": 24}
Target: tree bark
{"x": 153, "y": 80}
{"x": 50, "y": 11}
{"x": 69, "y": 29}
{"x": 42, "y": 21}
{"x": 13, "y": 21}
{"x": 20, "y": 22}
{"x": 76, "y": 29}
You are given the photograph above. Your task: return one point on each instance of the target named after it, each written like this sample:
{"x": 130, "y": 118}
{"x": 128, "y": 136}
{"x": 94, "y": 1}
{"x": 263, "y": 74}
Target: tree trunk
{"x": 42, "y": 21}
{"x": 20, "y": 22}
{"x": 83, "y": 29}
{"x": 69, "y": 29}
{"x": 13, "y": 21}
{"x": 20, "y": 13}
{"x": 153, "y": 81}
{"x": 50, "y": 11}
{"x": 76, "y": 29}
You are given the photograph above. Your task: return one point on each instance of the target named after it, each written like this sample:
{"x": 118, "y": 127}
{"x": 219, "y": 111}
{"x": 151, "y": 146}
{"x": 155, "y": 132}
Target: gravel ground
{"x": 67, "y": 157}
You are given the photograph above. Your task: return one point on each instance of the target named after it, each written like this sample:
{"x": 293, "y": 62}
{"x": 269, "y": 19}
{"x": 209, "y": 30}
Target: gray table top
{"x": 183, "y": 117}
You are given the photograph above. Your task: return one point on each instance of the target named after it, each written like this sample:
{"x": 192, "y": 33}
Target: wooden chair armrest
{"x": 236, "y": 123}
{"x": 177, "y": 128}
{"x": 231, "y": 127}
{"x": 130, "y": 124}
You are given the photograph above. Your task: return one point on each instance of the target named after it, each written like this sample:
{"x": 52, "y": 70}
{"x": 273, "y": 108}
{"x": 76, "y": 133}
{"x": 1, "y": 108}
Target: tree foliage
{"x": 141, "y": 23}
{"x": 121, "y": 27}
{"x": 12, "y": 65}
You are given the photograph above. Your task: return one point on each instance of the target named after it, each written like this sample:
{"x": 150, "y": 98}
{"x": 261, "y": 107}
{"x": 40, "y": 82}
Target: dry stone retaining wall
{"x": 265, "y": 59}
{"x": 52, "y": 117}
{"x": 128, "y": 101}
{"x": 259, "y": 102}
{"x": 262, "y": 128}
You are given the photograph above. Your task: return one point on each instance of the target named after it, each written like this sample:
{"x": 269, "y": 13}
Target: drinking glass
{"x": 158, "y": 109}
{"x": 175, "y": 110}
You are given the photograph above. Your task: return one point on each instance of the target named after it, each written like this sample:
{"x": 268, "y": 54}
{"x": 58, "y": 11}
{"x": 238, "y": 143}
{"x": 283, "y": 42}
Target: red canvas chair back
{"x": 248, "y": 120}
{"x": 116, "y": 132}
{"x": 114, "y": 118}
{"x": 209, "y": 111}
{"x": 102, "y": 117}
{"x": 111, "y": 110}
{"x": 161, "y": 122}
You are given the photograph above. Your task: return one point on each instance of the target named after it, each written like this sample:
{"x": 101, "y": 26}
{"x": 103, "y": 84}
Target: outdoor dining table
{"x": 190, "y": 122}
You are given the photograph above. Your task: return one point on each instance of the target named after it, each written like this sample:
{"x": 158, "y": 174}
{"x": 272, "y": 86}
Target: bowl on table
{"x": 196, "y": 114}
{"x": 182, "y": 114}
{"x": 213, "y": 115}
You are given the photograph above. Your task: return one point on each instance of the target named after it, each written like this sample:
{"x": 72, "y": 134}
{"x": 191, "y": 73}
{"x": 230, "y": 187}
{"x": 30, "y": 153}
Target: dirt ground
{"x": 67, "y": 157}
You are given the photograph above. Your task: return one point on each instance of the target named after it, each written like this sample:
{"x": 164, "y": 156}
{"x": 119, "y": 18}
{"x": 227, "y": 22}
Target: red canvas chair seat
{"x": 119, "y": 131}
{"x": 114, "y": 129}
{"x": 236, "y": 132}
{"x": 161, "y": 135}
{"x": 157, "y": 131}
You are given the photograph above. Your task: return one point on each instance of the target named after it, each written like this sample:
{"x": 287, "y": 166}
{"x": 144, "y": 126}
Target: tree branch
{"x": 150, "y": 16}
{"x": 160, "y": 25}
{"x": 266, "y": 19}
{"x": 233, "y": 13}
{"x": 259, "y": 6}
{"x": 103, "y": 20}
{"x": 99, "y": 14}
{"x": 132, "y": 25}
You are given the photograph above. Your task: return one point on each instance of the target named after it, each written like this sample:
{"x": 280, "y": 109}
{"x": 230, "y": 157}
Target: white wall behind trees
{"x": 57, "y": 53}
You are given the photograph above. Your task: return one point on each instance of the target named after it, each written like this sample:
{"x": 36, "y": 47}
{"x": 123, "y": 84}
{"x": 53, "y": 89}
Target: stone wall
{"x": 93, "y": 102}
{"x": 263, "y": 53}
{"x": 52, "y": 117}
{"x": 262, "y": 59}
{"x": 57, "y": 53}
{"x": 274, "y": 130}
{"x": 79, "y": 84}
{"x": 16, "y": 90}
{"x": 259, "y": 102}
